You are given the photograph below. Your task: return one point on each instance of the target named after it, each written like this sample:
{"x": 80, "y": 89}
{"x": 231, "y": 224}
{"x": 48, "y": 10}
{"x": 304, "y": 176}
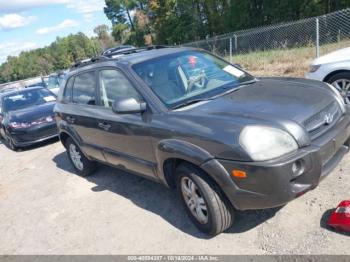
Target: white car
{"x": 333, "y": 68}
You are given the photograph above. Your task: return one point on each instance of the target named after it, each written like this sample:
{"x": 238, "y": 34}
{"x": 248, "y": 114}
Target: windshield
{"x": 28, "y": 98}
{"x": 189, "y": 75}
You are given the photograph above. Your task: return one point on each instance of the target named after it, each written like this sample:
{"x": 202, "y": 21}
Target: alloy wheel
{"x": 9, "y": 142}
{"x": 76, "y": 157}
{"x": 194, "y": 200}
{"x": 343, "y": 86}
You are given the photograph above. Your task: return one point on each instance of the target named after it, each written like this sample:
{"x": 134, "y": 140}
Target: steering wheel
{"x": 197, "y": 82}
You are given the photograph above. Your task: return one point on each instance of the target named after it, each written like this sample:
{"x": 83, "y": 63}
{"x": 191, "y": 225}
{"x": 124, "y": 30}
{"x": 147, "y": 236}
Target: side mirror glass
{"x": 128, "y": 106}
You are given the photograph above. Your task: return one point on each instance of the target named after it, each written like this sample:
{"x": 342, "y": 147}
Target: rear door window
{"x": 84, "y": 89}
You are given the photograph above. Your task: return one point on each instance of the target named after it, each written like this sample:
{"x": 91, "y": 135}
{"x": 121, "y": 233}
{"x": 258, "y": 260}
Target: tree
{"x": 101, "y": 31}
{"x": 180, "y": 21}
{"x": 118, "y": 11}
{"x": 104, "y": 38}
{"x": 120, "y": 32}
{"x": 125, "y": 20}
{"x": 61, "y": 54}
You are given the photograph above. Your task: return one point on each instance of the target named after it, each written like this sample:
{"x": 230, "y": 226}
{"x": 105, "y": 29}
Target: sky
{"x": 30, "y": 24}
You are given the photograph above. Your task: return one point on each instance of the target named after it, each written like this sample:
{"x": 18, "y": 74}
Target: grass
{"x": 287, "y": 62}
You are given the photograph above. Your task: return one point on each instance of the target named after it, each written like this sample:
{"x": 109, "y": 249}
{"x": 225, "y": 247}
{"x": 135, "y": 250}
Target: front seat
{"x": 166, "y": 89}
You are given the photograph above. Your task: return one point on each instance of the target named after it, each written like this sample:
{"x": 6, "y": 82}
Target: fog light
{"x": 298, "y": 167}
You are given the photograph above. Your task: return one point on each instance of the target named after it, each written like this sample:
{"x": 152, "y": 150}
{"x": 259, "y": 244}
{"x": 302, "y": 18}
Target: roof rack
{"x": 134, "y": 50}
{"x": 113, "y": 55}
{"x": 89, "y": 61}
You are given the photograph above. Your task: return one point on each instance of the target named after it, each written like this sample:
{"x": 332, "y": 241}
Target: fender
{"x": 334, "y": 69}
{"x": 233, "y": 193}
{"x": 63, "y": 128}
{"x": 173, "y": 148}
{"x": 89, "y": 152}
{"x": 65, "y": 132}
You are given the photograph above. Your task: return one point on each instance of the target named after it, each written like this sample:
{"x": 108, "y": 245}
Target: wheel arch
{"x": 172, "y": 152}
{"x": 64, "y": 135}
{"x": 63, "y": 138}
{"x": 333, "y": 73}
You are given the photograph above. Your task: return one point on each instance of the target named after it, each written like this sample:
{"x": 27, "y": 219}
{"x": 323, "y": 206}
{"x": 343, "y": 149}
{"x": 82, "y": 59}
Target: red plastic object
{"x": 192, "y": 60}
{"x": 340, "y": 217}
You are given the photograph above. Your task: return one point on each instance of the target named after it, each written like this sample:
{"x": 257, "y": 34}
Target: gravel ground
{"x": 46, "y": 209}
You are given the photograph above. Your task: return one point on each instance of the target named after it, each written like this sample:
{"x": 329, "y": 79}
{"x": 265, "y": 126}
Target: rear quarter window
{"x": 67, "y": 93}
{"x": 84, "y": 89}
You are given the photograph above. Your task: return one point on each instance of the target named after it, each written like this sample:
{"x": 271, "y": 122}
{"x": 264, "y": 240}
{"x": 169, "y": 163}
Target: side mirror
{"x": 128, "y": 106}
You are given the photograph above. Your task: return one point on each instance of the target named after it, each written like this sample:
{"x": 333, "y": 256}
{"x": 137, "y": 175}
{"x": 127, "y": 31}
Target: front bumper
{"x": 273, "y": 183}
{"x": 33, "y": 135}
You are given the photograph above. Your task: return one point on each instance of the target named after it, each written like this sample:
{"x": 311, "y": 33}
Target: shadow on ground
{"x": 324, "y": 220}
{"x": 158, "y": 199}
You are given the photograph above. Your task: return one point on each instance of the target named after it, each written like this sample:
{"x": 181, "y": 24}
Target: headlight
{"x": 341, "y": 100}
{"x": 40, "y": 121}
{"x": 16, "y": 125}
{"x": 314, "y": 68}
{"x": 265, "y": 143}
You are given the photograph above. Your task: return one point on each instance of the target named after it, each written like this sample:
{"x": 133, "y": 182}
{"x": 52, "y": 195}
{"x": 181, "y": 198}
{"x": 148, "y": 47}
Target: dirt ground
{"x": 46, "y": 209}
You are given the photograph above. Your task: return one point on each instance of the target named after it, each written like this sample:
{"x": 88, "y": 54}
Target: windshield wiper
{"x": 248, "y": 82}
{"x": 233, "y": 88}
{"x": 229, "y": 86}
{"x": 190, "y": 102}
{"x": 235, "y": 84}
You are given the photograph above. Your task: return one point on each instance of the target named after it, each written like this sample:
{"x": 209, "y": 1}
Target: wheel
{"x": 204, "y": 202}
{"x": 81, "y": 164}
{"x": 2, "y": 134}
{"x": 9, "y": 142}
{"x": 341, "y": 81}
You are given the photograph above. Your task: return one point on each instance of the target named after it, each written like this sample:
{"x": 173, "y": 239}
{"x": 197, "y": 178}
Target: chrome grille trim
{"x": 323, "y": 119}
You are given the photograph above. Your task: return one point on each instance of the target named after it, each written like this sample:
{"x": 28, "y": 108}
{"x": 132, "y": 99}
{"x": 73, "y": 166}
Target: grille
{"x": 323, "y": 120}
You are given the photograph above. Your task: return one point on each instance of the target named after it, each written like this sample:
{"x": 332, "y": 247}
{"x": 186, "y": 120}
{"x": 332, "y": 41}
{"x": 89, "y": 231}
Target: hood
{"x": 32, "y": 113}
{"x": 337, "y": 56}
{"x": 284, "y": 102}
{"x": 272, "y": 98}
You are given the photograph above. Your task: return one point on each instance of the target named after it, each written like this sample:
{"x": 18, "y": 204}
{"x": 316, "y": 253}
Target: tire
{"x": 9, "y": 142}
{"x": 341, "y": 78}
{"x": 2, "y": 130}
{"x": 215, "y": 207}
{"x": 85, "y": 167}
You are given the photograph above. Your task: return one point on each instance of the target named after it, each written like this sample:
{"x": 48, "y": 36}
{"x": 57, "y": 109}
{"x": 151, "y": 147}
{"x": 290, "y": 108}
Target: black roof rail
{"x": 151, "y": 47}
{"x": 135, "y": 50}
{"x": 89, "y": 61}
{"x": 121, "y": 52}
{"x": 111, "y": 55}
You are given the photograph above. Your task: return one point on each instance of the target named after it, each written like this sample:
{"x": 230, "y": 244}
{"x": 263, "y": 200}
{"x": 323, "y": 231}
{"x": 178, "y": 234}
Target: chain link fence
{"x": 313, "y": 32}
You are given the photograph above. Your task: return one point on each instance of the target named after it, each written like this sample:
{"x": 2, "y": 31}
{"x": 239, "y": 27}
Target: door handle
{"x": 70, "y": 119}
{"x": 104, "y": 126}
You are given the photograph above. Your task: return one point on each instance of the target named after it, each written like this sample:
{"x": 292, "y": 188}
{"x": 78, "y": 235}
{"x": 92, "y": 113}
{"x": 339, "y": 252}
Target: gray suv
{"x": 183, "y": 117}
